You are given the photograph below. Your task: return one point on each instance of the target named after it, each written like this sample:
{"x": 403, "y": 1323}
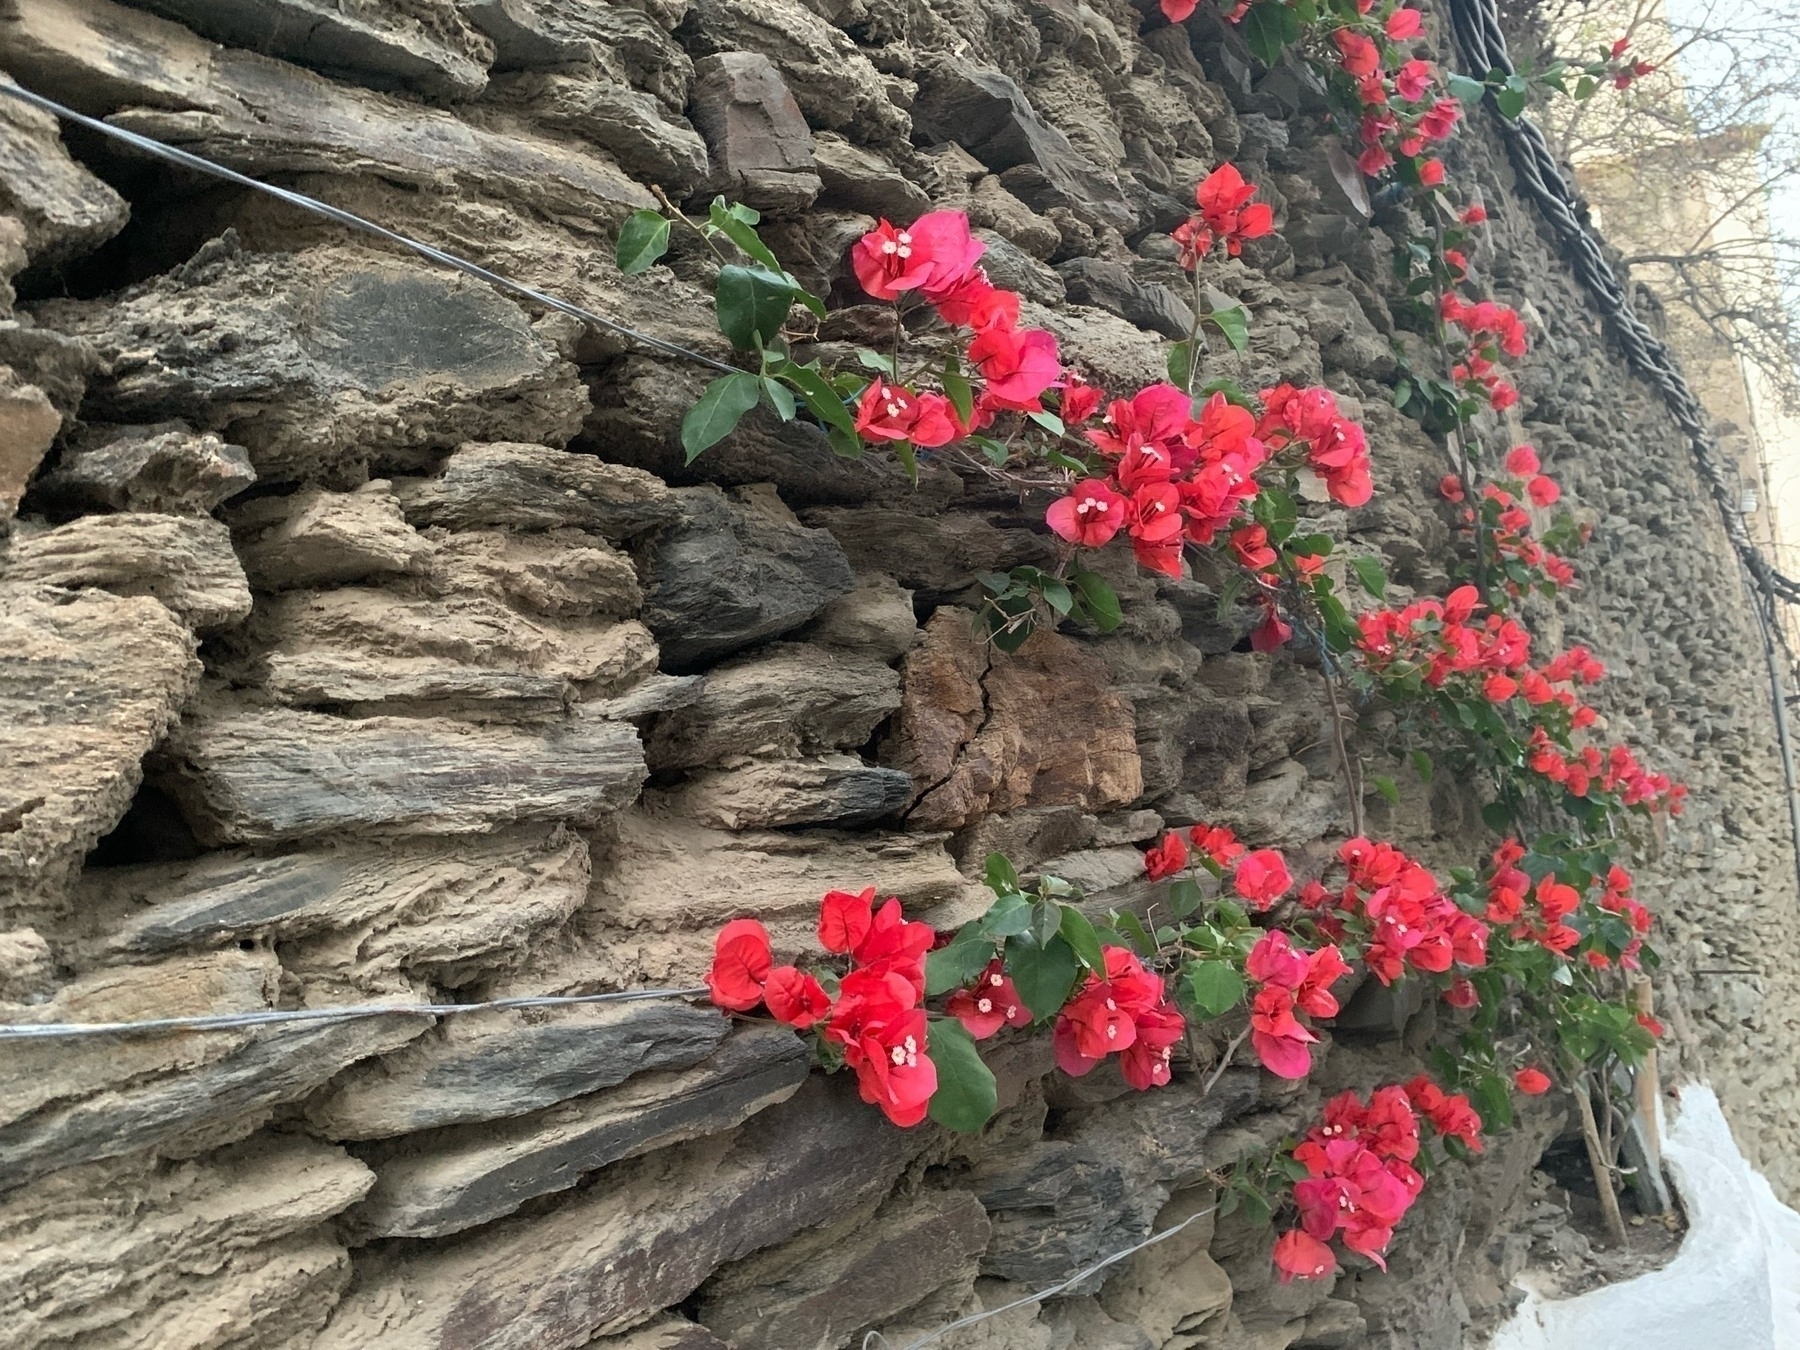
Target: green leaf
{"x": 966, "y": 1094}
{"x": 963, "y": 958}
{"x": 1001, "y": 876}
{"x": 1180, "y": 363}
{"x": 1184, "y": 897}
{"x": 1466, "y": 89}
{"x": 1131, "y": 928}
{"x": 718, "y": 412}
{"x": 961, "y": 396}
{"x": 643, "y": 240}
{"x": 1080, "y": 934}
{"x": 1386, "y": 787}
{"x": 1213, "y": 987}
{"x": 1101, "y": 601}
{"x": 997, "y": 453}
{"x": 1058, "y": 596}
{"x": 1491, "y": 1102}
{"x": 874, "y": 360}
{"x": 752, "y": 304}
{"x": 1511, "y": 103}
{"x": 735, "y": 223}
{"x": 1584, "y": 88}
{"x": 909, "y": 460}
{"x": 1234, "y": 323}
{"x": 845, "y": 444}
{"x": 1049, "y": 421}
{"x": 1233, "y": 391}
{"x": 1372, "y": 575}
{"x": 1421, "y": 762}
{"x": 1046, "y": 922}
{"x": 1256, "y": 1208}
{"x": 821, "y": 399}
{"x": 779, "y": 397}
{"x": 1007, "y": 917}
{"x": 1268, "y": 28}
{"x": 1042, "y": 975}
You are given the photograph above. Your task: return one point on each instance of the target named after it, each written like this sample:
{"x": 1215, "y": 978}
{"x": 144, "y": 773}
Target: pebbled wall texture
{"x": 363, "y": 637}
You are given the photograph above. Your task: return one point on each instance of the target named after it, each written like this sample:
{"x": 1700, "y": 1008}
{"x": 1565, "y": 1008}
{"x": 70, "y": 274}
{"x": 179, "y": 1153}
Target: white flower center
{"x": 985, "y": 1005}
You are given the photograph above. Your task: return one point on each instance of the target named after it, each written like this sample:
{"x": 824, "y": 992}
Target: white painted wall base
{"x": 1734, "y": 1285}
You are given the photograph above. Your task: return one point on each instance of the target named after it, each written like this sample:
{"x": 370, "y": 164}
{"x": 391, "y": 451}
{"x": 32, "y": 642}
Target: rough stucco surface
{"x": 366, "y": 638}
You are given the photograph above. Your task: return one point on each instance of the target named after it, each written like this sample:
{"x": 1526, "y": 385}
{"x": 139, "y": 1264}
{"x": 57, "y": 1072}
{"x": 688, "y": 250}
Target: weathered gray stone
{"x": 166, "y": 468}
{"x": 509, "y": 1063}
{"x": 428, "y": 907}
{"x": 318, "y": 360}
{"x": 66, "y": 211}
{"x": 632, "y": 46}
{"x": 637, "y": 128}
{"x": 828, "y": 1287}
{"x": 368, "y": 648}
{"x": 762, "y": 149}
{"x": 88, "y": 685}
{"x": 935, "y": 556}
{"x": 56, "y": 362}
{"x": 987, "y": 114}
{"x": 422, "y": 44}
{"x": 94, "y": 1099}
{"x": 531, "y": 487}
{"x": 320, "y": 538}
{"x": 876, "y": 618}
{"x": 264, "y": 116}
{"x": 671, "y": 1331}
{"x": 563, "y": 573}
{"x": 630, "y": 1243}
{"x": 1111, "y": 286}
{"x": 734, "y": 571}
{"x": 863, "y": 181}
{"x": 788, "y": 699}
{"x": 28, "y": 427}
{"x": 254, "y": 775}
{"x": 445, "y": 1181}
{"x": 829, "y": 790}
{"x": 184, "y": 561}
{"x": 68, "y": 1239}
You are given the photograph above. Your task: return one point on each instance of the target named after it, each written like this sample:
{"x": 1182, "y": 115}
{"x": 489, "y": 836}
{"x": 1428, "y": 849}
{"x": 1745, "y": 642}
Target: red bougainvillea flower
{"x": 1145, "y": 1063}
{"x": 1279, "y": 1040}
{"x": 1090, "y": 515}
{"x": 1449, "y": 1113}
{"x": 1106, "y": 1014}
{"x": 1543, "y": 491}
{"x": 992, "y": 1003}
{"x": 1273, "y": 960}
{"x": 1250, "y": 545}
{"x": 1224, "y": 201}
{"x": 1532, "y": 1082}
{"x": 1166, "y": 858}
{"x": 1216, "y": 842}
{"x": 795, "y": 998}
{"x": 1404, "y": 23}
{"x": 949, "y": 250}
{"x": 845, "y": 920}
{"x": 1080, "y": 400}
{"x": 1360, "y": 56}
{"x": 1413, "y": 80}
{"x": 897, "y": 941}
{"x": 1300, "y": 1255}
{"x": 886, "y": 412}
{"x": 888, "y": 263}
{"x": 1017, "y": 363}
{"x": 1324, "y": 968}
{"x": 892, "y": 1068}
{"x": 741, "y": 961}
{"x": 1262, "y": 877}
{"x": 1273, "y": 632}
{"x": 1178, "y": 11}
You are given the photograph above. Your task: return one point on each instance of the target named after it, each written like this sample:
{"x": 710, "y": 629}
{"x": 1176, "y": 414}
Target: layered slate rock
{"x": 184, "y": 561}
{"x": 317, "y": 361}
{"x": 786, "y": 699}
{"x": 423, "y": 44}
{"x": 444, "y": 1181}
{"x": 166, "y": 468}
{"x": 987, "y": 114}
{"x": 89, "y": 683}
{"x": 74, "y": 1102}
{"x": 28, "y": 427}
{"x": 264, "y": 116}
{"x": 762, "y": 151}
{"x": 248, "y": 775}
{"x": 563, "y": 573}
{"x": 507, "y": 1064}
{"x": 1112, "y": 287}
{"x": 650, "y": 139}
{"x": 630, "y": 1243}
{"x": 65, "y": 210}
{"x": 228, "y": 1251}
{"x": 936, "y": 557}
{"x": 827, "y": 790}
{"x": 982, "y": 731}
{"x": 829, "y": 1286}
{"x": 320, "y": 538}
{"x": 733, "y": 571}
{"x": 530, "y": 487}
{"x": 419, "y": 906}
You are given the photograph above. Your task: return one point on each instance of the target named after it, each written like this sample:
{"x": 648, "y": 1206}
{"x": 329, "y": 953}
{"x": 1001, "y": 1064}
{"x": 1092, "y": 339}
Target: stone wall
{"x": 363, "y": 637}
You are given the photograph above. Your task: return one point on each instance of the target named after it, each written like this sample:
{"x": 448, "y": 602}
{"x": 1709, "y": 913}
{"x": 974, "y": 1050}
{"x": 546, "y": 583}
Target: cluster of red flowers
{"x": 937, "y": 258}
{"x": 1537, "y": 913}
{"x": 1360, "y": 1181}
{"x": 1441, "y": 638}
{"x": 1511, "y": 537}
{"x": 1124, "y": 1014}
{"x": 1623, "y": 71}
{"x": 1615, "y": 770}
{"x": 1290, "y": 980}
{"x": 1405, "y": 919}
{"x": 1401, "y": 112}
{"x": 875, "y": 1021}
{"x": 1175, "y": 477}
{"x": 993, "y": 1003}
{"x": 1489, "y": 329}
{"x": 1260, "y": 877}
{"x": 1336, "y": 448}
{"x": 1226, "y": 215}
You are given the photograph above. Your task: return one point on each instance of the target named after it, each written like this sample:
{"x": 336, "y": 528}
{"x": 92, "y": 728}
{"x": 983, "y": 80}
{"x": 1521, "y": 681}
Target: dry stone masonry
{"x": 365, "y": 637}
